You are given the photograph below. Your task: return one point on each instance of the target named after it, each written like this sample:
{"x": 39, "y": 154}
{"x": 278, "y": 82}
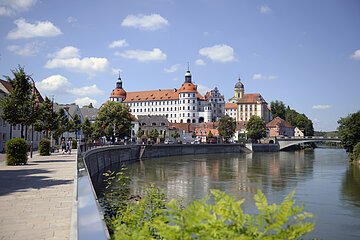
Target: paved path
{"x": 36, "y": 200}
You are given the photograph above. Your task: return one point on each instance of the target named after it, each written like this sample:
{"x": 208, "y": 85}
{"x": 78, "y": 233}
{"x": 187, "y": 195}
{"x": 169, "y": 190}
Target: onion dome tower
{"x": 188, "y": 100}
{"x": 118, "y": 94}
{"x": 239, "y": 89}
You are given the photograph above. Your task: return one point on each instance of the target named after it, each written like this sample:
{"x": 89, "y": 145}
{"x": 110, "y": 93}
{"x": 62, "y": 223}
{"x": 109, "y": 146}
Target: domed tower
{"x": 239, "y": 89}
{"x": 118, "y": 94}
{"x": 188, "y": 100}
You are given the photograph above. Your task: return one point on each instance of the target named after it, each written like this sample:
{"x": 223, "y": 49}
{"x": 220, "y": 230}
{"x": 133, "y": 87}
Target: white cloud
{"x": 54, "y": 84}
{"x": 356, "y": 55}
{"x": 143, "y": 56}
{"x": 265, "y": 9}
{"x": 172, "y": 69}
{"x": 259, "y": 76}
{"x": 200, "y": 62}
{"x": 11, "y": 7}
{"x": 85, "y": 101}
{"x": 321, "y": 107}
{"x": 69, "y": 58}
{"x": 29, "y": 49}
{"x": 29, "y": 30}
{"x": 118, "y": 43}
{"x": 87, "y": 90}
{"x": 145, "y": 22}
{"x": 71, "y": 20}
{"x": 219, "y": 53}
{"x": 203, "y": 89}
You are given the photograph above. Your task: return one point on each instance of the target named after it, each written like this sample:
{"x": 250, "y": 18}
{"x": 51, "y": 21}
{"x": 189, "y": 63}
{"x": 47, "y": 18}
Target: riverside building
{"x": 178, "y": 105}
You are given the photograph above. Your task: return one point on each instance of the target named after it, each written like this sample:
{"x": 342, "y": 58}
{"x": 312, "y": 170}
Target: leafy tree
{"x": 113, "y": 119}
{"x": 63, "y": 123}
{"x": 278, "y": 109}
{"x": 256, "y": 128}
{"x": 210, "y": 135}
{"x": 76, "y": 125}
{"x": 48, "y": 118}
{"x": 193, "y": 135}
{"x": 18, "y": 105}
{"x": 175, "y": 135}
{"x": 227, "y": 127}
{"x": 154, "y": 134}
{"x": 140, "y": 133}
{"x": 299, "y": 120}
{"x": 87, "y": 129}
{"x": 356, "y": 153}
{"x": 349, "y": 131}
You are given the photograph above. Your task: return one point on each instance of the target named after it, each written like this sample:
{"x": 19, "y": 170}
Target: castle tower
{"x": 188, "y": 100}
{"x": 118, "y": 94}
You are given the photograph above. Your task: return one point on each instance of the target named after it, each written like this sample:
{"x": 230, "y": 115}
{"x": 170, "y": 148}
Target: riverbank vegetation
{"x": 349, "y": 133}
{"x": 217, "y": 216}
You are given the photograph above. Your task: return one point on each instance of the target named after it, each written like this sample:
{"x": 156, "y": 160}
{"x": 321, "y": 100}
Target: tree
{"x": 18, "y": 105}
{"x": 210, "y": 135}
{"x": 349, "y": 131}
{"x": 175, "y": 135}
{"x": 63, "y": 123}
{"x": 278, "y": 109}
{"x": 47, "y": 118}
{"x": 256, "y": 128}
{"x": 227, "y": 127}
{"x": 140, "y": 133}
{"x": 113, "y": 119}
{"x": 154, "y": 134}
{"x": 299, "y": 120}
{"x": 87, "y": 129}
{"x": 75, "y": 125}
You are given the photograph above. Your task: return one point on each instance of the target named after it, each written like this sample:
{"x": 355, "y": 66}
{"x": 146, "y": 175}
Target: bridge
{"x": 291, "y": 141}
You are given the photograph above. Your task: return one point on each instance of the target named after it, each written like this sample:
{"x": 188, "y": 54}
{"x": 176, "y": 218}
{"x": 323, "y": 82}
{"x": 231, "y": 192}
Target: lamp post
{"x": 32, "y": 115}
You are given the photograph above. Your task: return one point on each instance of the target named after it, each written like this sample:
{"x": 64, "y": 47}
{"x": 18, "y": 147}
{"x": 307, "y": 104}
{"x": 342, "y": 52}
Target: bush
{"x": 356, "y": 152}
{"x": 16, "y": 151}
{"x": 44, "y": 147}
{"x": 73, "y": 144}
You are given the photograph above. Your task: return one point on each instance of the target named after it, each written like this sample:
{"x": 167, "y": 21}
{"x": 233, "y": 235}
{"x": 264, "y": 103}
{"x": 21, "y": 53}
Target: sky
{"x": 304, "y": 53}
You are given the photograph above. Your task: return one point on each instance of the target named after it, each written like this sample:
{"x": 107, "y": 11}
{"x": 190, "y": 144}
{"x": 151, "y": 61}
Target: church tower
{"x": 239, "y": 89}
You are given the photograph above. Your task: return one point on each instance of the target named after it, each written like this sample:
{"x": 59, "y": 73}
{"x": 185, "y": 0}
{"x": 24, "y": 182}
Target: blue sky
{"x": 305, "y": 53}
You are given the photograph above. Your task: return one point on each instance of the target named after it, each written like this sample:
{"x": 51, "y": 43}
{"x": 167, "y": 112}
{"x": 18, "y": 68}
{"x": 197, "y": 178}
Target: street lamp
{"x": 32, "y": 115}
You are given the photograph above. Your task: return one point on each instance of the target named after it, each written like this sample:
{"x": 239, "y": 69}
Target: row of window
{"x": 164, "y": 109}
{"x": 187, "y": 94}
{"x": 151, "y": 103}
{"x": 246, "y": 107}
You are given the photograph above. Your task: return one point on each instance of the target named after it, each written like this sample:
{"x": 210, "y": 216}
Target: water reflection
{"x": 351, "y": 185}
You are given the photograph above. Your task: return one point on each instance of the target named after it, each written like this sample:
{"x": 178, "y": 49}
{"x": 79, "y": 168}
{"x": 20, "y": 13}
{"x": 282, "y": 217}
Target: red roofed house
{"x": 182, "y": 105}
{"x": 279, "y": 127}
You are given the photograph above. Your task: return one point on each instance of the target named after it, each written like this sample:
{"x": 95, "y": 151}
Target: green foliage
{"x": 217, "y": 216}
{"x": 175, "y": 135}
{"x": 349, "y": 131}
{"x": 154, "y": 134}
{"x": 87, "y": 129}
{"x": 140, "y": 133}
{"x": 48, "y": 118}
{"x": 278, "y": 109}
{"x": 113, "y": 116}
{"x": 227, "y": 126}
{"x": 18, "y": 106}
{"x": 75, "y": 124}
{"x": 74, "y": 144}
{"x": 356, "y": 153}
{"x": 44, "y": 147}
{"x": 256, "y": 128}
{"x": 299, "y": 120}
{"x": 210, "y": 135}
{"x": 193, "y": 135}
{"x": 16, "y": 151}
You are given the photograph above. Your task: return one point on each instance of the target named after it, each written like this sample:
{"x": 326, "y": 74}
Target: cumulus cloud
{"x": 321, "y": 107}
{"x": 145, "y": 22}
{"x": 172, "y": 69}
{"x": 143, "y": 56}
{"x": 69, "y": 58}
{"x": 11, "y": 7}
{"x": 259, "y": 76}
{"x": 200, "y": 62}
{"x": 60, "y": 85}
{"x": 85, "y": 101}
{"x": 28, "y": 30}
{"x": 218, "y": 53}
{"x": 118, "y": 43}
{"x": 265, "y": 9}
{"x": 356, "y": 55}
{"x": 29, "y": 49}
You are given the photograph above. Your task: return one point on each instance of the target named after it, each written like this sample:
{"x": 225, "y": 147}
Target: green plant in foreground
{"x": 151, "y": 218}
{"x": 44, "y": 147}
{"x": 16, "y": 151}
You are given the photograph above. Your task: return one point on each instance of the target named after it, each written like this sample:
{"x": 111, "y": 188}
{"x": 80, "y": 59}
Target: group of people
{"x": 66, "y": 146}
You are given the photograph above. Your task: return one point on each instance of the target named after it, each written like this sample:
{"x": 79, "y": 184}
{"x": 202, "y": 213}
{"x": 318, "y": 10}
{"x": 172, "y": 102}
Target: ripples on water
{"x": 323, "y": 180}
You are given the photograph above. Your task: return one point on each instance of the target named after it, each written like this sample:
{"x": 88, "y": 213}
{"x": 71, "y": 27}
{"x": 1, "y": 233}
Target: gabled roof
{"x": 279, "y": 122}
{"x": 230, "y": 106}
{"x": 251, "y": 98}
{"x": 7, "y": 86}
{"x": 155, "y": 95}
{"x": 205, "y": 131}
{"x": 187, "y": 127}
{"x": 89, "y": 113}
{"x": 148, "y": 120}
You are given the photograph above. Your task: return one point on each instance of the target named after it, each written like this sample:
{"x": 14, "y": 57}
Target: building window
{"x": 193, "y": 107}
{"x": 188, "y": 114}
{"x": 193, "y": 114}
{"x": 189, "y": 101}
{"x": 188, "y": 107}
{"x": 193, "y": 101}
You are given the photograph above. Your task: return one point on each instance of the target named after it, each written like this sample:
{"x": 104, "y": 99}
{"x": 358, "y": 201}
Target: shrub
{"x": 73, "y": 144}
{"x": 44, "y": 147}
{"x": 356, "y": 152}
{"x": 16, "y": 151}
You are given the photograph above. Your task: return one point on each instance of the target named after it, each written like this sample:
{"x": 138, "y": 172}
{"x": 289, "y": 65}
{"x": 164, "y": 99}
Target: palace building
{"x": 242, "y": 106}
{"x": 178, "y": 105}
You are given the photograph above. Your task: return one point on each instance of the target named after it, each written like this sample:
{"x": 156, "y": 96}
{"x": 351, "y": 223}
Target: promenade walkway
{"x": 37, "y": 199}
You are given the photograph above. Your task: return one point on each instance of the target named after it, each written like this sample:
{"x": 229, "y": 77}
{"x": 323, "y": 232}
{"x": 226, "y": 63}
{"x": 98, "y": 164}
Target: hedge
{"x": 16, "y": 151}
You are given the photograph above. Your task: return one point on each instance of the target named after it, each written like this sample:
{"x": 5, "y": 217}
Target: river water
{"x": 322, "y": 178}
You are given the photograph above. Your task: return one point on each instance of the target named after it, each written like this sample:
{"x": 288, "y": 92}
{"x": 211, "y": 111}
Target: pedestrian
{"x": 63, "y": 146}
{"x": 70, "y": 145}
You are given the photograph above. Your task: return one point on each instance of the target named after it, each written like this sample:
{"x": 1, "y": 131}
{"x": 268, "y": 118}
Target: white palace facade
{"x": 178, "y": 105}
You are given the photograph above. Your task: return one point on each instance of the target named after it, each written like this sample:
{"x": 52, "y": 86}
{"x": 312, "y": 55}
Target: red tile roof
{"x": 278, "y": 122}
{"x": 230, "y": 106}
{"x": 205, "y": 131}
{"x": 251, "y": 98}
{"x": 9, "y": 88}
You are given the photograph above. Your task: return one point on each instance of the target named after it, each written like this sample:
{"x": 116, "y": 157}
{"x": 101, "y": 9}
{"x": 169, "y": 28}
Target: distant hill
{"x": 326, "y": 134}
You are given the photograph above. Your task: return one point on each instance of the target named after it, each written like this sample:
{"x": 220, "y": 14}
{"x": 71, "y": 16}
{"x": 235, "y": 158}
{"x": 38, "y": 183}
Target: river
{"x": 322, "y": 178}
